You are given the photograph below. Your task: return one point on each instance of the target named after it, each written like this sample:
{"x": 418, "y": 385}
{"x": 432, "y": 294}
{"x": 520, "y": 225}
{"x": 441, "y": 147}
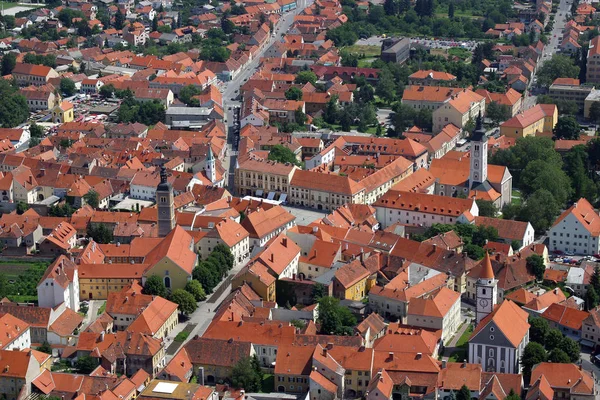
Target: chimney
{"x": 419, "y": 355}
{"x": 42, "y": 172}
{"x": 391, "y": 354}
{"x": 284, "y": 242}
{"x": 464, "y": 364}
{"x": 325, "y": 352}
{"x": 272, "y": 257}
{"x": 102, "y": 336}
{"x": 330, "y": 345}
{"x": 444, "y": 363}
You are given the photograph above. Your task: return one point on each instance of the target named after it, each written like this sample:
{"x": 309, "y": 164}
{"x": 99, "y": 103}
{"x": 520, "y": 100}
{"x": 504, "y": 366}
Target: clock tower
{"x": 487, "y": 290}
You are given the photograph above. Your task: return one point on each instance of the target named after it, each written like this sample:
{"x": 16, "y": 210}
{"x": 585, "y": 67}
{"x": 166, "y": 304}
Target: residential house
{"x": 32, "y": 74}
{"x": 60, "y": 284}
{"x": 565, "y": 234}
{"x": 439, "y": 311}
{"x": 540, "y": 118}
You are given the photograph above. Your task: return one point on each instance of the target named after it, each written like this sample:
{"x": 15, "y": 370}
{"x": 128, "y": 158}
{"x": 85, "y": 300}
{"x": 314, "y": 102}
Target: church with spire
{"x": 211, "y": 174}
{"x": 501, "y": 331}
{"x": 468, "y": 174}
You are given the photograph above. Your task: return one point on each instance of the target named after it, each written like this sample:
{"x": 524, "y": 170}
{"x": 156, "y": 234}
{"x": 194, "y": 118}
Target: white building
{"x": 14, "y": 333}
{"x": 441, "y": 311}
{"x": 227, "y": 232}
{"x": 60, "y": 284}
{"x": 576, "y": 230}
{"x": 421, "y": 209}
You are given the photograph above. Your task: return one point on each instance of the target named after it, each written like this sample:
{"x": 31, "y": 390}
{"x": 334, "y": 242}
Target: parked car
{"x": 569, "y": 253}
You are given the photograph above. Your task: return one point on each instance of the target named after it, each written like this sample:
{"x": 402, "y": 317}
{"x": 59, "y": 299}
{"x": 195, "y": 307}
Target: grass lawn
{"x": 460, "y": 52}
{"x": 460, "y": 353}
{"x": 102, "y": 308}
{"x": 268, "y": 383}
{"x": 371, "y": 129}
{"x": 181, "y": 336}
{"x": 359, "y": 49}
{"x": 7, "y": 4}
{"x": 22, "y": 279}
{"x": 516, "y": 197}
{"x": 365, "y": 62}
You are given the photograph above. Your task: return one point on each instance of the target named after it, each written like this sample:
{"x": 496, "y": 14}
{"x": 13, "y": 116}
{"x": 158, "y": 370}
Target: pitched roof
{"x": 217, "y": 352}
{"x": 565, "y": 316}
{"x": 584, "y": 212}
{"x": 178, "y": 247}
{"x": 438, "y": 305}
{"x": 565, "y": 376}
{"x": 530, "y": 116}
{"x": 262, "y": 222}
{"x": 510, "y": 319}
{"x": 507, "y": 229}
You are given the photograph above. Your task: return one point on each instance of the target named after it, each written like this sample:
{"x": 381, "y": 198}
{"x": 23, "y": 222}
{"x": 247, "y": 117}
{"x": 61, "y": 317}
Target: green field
{"x": 7, "y": 4}
{"x": 360, "y": 50}
{"x": 19, "y": 279}
{"x": 460, "y": 353}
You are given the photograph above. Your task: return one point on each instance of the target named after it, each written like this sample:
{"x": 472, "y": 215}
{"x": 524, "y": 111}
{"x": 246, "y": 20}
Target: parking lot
{"x": 427, "y": 42}
{"x": 305, "y": 216}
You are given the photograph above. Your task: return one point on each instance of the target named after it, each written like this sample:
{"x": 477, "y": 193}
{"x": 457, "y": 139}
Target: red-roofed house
{"x": 576, "y": 230}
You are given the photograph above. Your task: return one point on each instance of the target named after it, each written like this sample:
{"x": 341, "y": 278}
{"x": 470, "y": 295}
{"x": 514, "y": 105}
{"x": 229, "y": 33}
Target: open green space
{"x": 7, "y": 4}
{"x": 19, "y": 279}
{"x": 360, "y": 50}
{"x": 181, "y": 336}
{"x": 460, "y": 352}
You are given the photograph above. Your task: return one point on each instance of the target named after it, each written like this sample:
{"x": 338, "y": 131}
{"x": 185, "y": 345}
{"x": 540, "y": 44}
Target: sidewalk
{"x": 451, "y": 347}
{"x": 200, "y": 319}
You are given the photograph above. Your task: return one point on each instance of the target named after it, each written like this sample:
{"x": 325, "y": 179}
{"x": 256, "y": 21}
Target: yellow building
{"x": 173, "y": 260}
{"x": 96, "y": 281}
{"x": 350, "y": 281}
{"x": 258, "y": 278}
{"x": 63, "y": 112}
{"x": 541, "y": 118}
{"x": 215, "y": 358}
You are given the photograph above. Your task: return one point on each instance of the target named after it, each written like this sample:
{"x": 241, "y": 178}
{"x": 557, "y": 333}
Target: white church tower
{"x": 486, "y": 290}
{"x": 211, "y": 170}
{"x": 479, "y": 155}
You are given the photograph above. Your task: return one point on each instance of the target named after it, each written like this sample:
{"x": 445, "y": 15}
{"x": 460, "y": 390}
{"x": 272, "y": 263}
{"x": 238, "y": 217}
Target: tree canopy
{"x": 185, "y": 300}
{"x": 13, "y": 107}
{"x": 247, "y": 374}
{"x": 335, "y": 319}
{"x": 155, "y": 286}
{"x": 567, "y": 127}
{"x": 282, "y": 154}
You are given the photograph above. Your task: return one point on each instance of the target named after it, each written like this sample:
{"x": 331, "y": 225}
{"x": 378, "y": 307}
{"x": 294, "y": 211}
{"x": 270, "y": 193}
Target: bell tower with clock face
{"x": 486, "y": 290}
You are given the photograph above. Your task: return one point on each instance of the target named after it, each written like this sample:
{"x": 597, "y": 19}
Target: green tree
{"x": 155, "y": 286}
{"x": 559, "y": 356}
{"x": 195, "y": 288}
{"x": 498, "y": 112}
{"x": 542, "y": 175}
{"x": 451, "y": 10}
{"x": 595, "y": 280}
{"x": 226, "y": 252}
{"x": 386, "y": 88}
{"x": 119, "y": 20}
{"x": 591, "y": 298}
{"x": 186, "y": 93}
{"x": 512, "y": 396}
{"x": 22, "y": 207}
{"x": 9, "y": 61}
{"x": 107, "y": 91}
{"x": 13, "y": 107}
{"x": 92, "y": 198}
{"x": 540, "y": 210}
{"x": 464, "y": 393}
{"x": 577, "y": 166}
{"x": 45, "y": 348}
{"x": 533, "y": 354}
{"x": 293, "y": 93}
{"x": 155, "y": 24}
{"x": 567, "y": 127}
{"x": 282, "y": 154}
{"x": 335, "y": 319}
{"x": 300, "y": 117}
{"x": 305, "y": 77}
{"x": 535, "y": 264}
{"x": 185, "y": 300}
{"x": 246, "y": 374}
{"x": 318, "y": 291}
{"x": 538, "y": 329}
{"x": 206, "y": 275}
{"x": 571, "y": 348}
{"x": 36, "y": 131}
{"x": 595, "y": 112}
{"x": 86, "y": 364}
{"x": 558, "y": 67}
{"x": 553, "y": 339}
{"x": 487, "y": 208}
{"x": 100, "y": 234}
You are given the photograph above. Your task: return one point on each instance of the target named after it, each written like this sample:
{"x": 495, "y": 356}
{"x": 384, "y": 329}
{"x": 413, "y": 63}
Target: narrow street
{"x": 555, "y": 38}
